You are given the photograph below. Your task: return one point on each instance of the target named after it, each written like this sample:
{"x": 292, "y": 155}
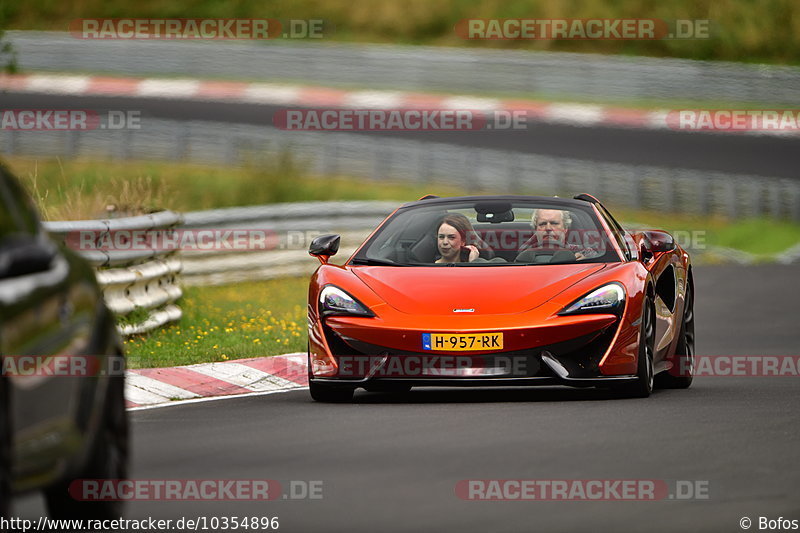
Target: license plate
{"x": 462, "y": 342}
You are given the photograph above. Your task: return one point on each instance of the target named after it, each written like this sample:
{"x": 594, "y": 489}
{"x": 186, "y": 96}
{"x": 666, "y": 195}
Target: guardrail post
{"x": 637, "y": 186}
{"x": 706, "y": 185}
{"x": 794, "y": 208}
{"x": 671, "y": 191}
{"x": 426, "y": 162}
{"x": 330, "y": 162}
{"x": 13, "y": 142}
{"x": 513, "y": 168}
{"x": 755, "y": 201}
{"x": 732, "y": 200}
{"x": 73, "y": 144}
{"x": 126, "y": 149}
{"x": 775, "y": 199}
{"x": 231, "y": 152}
{"x": 182, "y": 142}
{"x": 381, "y": 163}
{"x": 472, "y": 170}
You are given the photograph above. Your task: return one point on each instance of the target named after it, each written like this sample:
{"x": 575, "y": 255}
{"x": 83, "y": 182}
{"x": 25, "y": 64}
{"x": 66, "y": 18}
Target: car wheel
{"x": 108, "y": 460}
{"x": 643, "y": 386}
{"x": 681, "y": 375}
{"x": 328, "y": 394}
{"x": 5, "y": 449}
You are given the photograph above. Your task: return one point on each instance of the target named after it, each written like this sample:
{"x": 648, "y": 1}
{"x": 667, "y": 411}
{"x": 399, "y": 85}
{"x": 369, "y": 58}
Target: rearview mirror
{"x": 324, "y": 246}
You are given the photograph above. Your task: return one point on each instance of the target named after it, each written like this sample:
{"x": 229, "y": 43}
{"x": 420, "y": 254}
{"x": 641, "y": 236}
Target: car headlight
{"x": 334, "y": 301}
{"x": 606, "y": 299}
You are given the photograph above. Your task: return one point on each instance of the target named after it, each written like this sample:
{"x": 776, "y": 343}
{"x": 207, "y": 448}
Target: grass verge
{"x": 83, "y": 189}
{"x": 741, "y": 30}
{"x": 228, "y": 322}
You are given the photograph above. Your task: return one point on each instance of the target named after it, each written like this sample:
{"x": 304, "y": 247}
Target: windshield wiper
{"x": 382, "y": 262}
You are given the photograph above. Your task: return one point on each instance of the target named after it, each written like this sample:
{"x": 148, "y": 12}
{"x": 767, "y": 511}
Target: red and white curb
{"x": 153, "y": 386}
{"x": 304, "y": 96}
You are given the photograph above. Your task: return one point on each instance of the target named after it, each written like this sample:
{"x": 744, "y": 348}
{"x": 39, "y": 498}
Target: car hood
{"x": 487, "y": 290}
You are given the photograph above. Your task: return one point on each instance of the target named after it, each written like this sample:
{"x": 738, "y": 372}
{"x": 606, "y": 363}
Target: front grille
{"x": 580, "y": 357}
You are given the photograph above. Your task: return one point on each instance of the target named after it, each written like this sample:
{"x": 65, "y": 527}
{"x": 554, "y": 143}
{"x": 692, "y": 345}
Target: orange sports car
{"x": 499, "y": 291}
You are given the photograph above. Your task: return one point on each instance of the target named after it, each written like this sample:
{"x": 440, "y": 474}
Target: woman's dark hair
{"x": 462, "y": 225}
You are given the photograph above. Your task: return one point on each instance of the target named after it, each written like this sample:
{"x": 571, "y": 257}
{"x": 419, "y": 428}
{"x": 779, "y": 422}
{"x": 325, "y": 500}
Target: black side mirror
{"x": 324, "y": 246}
{"x": 21, "y": 256}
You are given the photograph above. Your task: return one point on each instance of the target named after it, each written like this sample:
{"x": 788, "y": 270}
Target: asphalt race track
{"x": 391, "y": 462}
{"x": 731, "y": 153}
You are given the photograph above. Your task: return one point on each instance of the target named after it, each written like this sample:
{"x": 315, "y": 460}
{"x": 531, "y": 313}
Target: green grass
{"x": 228, "y": 322}
{"x": 81, "y": 189}
{"x": 742, "y": 30}
{"x": 758, "y": 236}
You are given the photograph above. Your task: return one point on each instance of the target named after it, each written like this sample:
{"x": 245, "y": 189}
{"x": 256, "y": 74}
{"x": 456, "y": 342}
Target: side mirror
{"x": 651, "y": 242}
{"x": 25, "y": 256}
{"x": 324, "y": 246}
{"x": 660, "y": 241}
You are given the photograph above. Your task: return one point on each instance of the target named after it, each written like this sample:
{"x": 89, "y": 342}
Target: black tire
{"x": 643, "y": 386}
{"x": 108, "y": 460}
{"x": 330, "y": 394}
{"x": 681, "y": 375}
{"x": 5, "y": 449}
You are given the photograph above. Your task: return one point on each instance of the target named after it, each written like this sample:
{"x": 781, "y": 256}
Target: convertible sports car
{"x": 543, "y": 291}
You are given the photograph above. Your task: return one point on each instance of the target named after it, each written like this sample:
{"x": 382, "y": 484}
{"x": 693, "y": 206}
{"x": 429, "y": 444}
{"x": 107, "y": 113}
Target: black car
{"x": 55, "y": 428}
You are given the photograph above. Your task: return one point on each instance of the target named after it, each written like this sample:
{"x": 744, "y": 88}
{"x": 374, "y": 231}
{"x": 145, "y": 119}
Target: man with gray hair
{"x": 550, "y": 226}
{"x": 549, "y": 241}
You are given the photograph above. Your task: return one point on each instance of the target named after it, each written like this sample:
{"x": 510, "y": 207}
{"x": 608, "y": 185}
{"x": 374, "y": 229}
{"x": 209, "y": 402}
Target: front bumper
{"x": 342, "y": 359}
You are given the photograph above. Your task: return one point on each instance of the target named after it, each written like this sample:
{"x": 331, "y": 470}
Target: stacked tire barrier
{"x": 140, "y": 285}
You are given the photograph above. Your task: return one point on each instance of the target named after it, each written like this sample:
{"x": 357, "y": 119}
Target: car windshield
{"x": 489, "y": 232}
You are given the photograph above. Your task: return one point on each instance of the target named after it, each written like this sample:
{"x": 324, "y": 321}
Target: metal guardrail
{"x": 293, "y": 226}
{"x": 460, "y": 70}
{"x": 383, "y": 157}
{"x": 145, "y": 279}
